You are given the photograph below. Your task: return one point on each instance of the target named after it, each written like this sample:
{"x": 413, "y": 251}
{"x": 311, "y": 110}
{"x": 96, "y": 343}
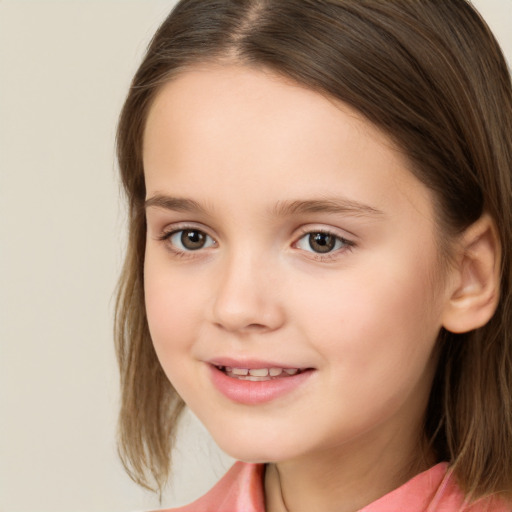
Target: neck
{"x": 343, "y": 480}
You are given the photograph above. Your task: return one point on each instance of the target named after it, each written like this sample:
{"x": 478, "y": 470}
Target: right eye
{"x": 185, "y": 240}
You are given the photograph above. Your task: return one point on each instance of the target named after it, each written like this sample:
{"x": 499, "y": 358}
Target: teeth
{"x": 263, "y": 372}
{"x": 259, "y": 373}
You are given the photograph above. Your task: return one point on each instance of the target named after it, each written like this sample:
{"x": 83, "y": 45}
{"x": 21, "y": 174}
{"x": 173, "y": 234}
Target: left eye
{"x": 321, "y": 243}
{"x": 191, "y": 240}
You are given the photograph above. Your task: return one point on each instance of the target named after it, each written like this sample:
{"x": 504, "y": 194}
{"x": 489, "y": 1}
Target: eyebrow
{"x": 335, "y": 205}
{"x": 174, "y": 203}
{"x": 281, "y": 209}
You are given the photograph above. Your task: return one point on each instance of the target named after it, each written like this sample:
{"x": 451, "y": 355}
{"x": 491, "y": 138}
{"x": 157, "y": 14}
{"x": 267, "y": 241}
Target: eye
{"x": 321, "y": 242}
{"x": 190, "y": 240}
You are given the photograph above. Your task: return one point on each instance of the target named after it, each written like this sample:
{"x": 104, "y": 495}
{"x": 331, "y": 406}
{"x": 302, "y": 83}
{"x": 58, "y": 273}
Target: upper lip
{"x": 250, "y": 364}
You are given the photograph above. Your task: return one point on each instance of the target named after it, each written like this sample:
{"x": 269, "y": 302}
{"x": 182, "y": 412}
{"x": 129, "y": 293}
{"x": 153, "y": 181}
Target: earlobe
{"x": 475, "y": 294}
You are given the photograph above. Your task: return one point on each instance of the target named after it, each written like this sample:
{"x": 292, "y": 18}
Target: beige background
{"x": 64, "y": 70}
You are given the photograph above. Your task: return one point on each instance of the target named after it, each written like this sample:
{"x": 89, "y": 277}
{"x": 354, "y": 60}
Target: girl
{"x": 319, "y": 255}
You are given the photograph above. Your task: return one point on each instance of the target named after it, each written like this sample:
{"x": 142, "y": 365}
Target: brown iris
{"x": 322, "y": 242}
{"x": 192, "y": 239}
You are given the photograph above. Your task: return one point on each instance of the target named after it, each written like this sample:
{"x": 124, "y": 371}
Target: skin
{"x": 239, "y": 144}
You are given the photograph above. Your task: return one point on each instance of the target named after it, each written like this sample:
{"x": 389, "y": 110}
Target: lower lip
{"x": 260, "y": 392}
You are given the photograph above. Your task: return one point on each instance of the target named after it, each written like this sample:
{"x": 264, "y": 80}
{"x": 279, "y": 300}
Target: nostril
{"x": 232, "y": 326}
{"x": 256, "y": 327}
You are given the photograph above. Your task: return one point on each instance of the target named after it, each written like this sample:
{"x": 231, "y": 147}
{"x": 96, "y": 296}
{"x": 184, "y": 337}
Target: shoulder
{"x": 239, "y": 490}
{"x": 450, "y": 498}
{"x": 434, "y": 490}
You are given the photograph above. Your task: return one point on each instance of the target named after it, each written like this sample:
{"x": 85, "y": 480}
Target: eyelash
{"x": 346, "y": 245}
{"x": 184, "y": 253}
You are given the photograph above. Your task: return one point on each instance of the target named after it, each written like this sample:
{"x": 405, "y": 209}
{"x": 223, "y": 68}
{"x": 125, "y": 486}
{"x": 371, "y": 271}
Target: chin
{"x": 248, "y": 447}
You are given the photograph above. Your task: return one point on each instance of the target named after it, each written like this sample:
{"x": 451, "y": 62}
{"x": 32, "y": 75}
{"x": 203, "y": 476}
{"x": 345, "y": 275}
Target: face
{"x": 292, "y": 279}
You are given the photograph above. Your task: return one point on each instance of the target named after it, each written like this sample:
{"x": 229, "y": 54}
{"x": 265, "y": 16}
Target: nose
{"x": 247, "y": 298}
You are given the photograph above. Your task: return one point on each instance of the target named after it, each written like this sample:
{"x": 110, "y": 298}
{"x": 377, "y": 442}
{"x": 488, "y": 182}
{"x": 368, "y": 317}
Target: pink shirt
{"x": 241, "y": 490}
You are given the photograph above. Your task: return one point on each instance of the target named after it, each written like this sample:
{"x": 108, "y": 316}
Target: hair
{"x": 431, "y": 75}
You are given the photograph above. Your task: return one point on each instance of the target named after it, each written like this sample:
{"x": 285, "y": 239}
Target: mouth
{"x": 256, "y": 382}
{"x": 259, "y": 374}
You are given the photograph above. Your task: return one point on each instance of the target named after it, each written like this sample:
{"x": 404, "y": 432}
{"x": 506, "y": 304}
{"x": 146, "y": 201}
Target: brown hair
{"x": 431, "y": 75}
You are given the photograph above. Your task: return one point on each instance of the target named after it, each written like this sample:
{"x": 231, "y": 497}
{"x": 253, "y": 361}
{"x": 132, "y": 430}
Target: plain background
{"x": 64, "y": 71}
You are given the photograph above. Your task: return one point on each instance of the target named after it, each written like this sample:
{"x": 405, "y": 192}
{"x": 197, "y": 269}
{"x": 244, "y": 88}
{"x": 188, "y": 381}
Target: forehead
{"x": 240, "y": 131}
{"x": 251, "y": 106}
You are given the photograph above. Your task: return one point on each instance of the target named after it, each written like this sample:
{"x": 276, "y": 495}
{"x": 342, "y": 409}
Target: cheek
{"x": 170, "y": 308}
{"x": 377, "y": 318}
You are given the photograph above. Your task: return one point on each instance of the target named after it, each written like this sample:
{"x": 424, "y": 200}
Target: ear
{"x": 475, "y": 293}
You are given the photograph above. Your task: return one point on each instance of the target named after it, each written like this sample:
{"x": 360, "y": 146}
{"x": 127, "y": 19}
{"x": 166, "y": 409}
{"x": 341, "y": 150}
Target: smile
{"x": 258, "y": 374}
{"x": 253, "y": 386}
